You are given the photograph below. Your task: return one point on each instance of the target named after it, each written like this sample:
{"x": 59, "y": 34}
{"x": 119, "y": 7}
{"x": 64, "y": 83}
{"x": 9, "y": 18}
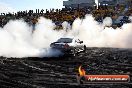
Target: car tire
{"x": 74, "y": 52}
{"x": 84, "y": 48}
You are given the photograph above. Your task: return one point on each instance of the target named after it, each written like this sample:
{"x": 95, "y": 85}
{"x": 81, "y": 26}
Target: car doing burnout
{"x": 69, "y": 46}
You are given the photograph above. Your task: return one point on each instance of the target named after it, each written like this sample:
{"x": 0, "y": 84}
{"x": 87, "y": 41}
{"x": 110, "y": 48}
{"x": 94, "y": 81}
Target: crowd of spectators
{"x": 65, "y": 14}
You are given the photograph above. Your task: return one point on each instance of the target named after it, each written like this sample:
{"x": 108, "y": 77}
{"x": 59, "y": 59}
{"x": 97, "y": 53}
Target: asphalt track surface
{"x": 62, "y": 72}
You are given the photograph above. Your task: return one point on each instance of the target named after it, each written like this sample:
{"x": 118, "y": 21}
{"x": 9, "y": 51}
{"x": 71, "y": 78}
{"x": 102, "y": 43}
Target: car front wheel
{"x": 84, "y": 48}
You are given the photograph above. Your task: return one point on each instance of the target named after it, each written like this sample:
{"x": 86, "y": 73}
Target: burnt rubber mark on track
{"x": 62, "y": 71}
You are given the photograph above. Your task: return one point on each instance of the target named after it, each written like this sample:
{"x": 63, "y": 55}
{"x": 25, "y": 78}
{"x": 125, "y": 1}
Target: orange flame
{"x": 81, "y": 71}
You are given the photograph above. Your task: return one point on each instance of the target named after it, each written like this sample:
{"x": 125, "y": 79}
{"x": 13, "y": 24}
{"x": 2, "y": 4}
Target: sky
{"x": 19, "y": 5}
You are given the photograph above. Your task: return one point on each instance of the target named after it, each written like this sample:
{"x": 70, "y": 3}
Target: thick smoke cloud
{"x": 19, "y": 40}
{"x": 99, "y": 35}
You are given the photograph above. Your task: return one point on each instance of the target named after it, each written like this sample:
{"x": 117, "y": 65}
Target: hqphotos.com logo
{"x": 102, "y": 78}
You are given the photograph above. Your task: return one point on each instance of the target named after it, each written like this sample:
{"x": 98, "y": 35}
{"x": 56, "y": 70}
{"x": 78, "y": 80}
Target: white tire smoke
{"x": 19, "y": 40}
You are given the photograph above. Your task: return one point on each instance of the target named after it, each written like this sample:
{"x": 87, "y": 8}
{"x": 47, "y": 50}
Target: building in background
{"x": 89, "y": 3}
{"x": 76, "y": 3}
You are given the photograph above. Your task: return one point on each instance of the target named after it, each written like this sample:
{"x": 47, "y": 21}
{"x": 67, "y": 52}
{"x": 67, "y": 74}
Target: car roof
{"x": 66, "y": 38}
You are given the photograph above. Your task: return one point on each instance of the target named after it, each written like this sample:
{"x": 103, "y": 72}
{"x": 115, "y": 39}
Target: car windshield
{"x": 65, "y": 40}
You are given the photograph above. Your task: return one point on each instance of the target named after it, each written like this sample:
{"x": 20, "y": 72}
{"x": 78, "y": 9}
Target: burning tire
{"x": 81, "y": 76}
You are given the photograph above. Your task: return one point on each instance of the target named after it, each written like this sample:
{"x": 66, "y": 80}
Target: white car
{"x": 69, "y": 46}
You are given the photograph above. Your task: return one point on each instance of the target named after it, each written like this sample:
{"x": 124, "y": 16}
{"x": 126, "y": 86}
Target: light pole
{"x": 97, "y": 3}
